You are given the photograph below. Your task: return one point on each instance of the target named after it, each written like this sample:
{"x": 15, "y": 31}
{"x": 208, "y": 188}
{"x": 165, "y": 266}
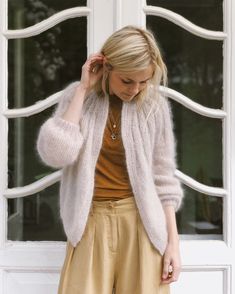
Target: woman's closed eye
{"x": 126, "y": 82}
{"x": 129, "y": 82}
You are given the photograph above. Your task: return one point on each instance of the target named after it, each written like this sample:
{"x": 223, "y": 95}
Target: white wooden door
{"x": 43, "y": 45}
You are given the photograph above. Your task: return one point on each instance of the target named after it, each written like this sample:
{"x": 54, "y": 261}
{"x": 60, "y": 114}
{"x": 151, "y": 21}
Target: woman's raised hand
{"x": 92, "y": 71}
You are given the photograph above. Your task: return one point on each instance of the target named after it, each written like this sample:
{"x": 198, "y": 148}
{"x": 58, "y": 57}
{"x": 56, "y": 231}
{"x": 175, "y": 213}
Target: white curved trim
{"x": 33, "y": 109}
{"x": 194, "y": 106}
{"x": 55, "y": 177}
{"x": 47, "y": 23}
{"x": 34, "y": 187}
{"x": 184, "y": 23}
{"x": 53, "y": 99}
{"x": 190, "y": 182}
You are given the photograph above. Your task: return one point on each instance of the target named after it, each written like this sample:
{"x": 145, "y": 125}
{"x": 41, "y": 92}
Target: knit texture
{"x": 150, "y": 159}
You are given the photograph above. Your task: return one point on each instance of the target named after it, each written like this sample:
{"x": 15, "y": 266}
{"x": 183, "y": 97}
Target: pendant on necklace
{"x": 113, "y": 136}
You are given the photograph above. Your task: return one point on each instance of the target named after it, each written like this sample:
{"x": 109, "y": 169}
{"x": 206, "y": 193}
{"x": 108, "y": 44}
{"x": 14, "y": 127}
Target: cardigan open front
{"x": 150, "y": 158}
{"x": 111, "y": 177}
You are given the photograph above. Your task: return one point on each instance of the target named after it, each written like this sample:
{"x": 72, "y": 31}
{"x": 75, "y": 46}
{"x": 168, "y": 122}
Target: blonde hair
{"x": 129, "y": 50}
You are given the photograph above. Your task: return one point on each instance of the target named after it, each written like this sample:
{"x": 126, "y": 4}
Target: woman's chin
{"x": 127, "y": 97}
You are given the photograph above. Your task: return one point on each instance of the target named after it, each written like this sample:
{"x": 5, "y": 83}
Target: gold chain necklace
{"x": 114, "y": 126}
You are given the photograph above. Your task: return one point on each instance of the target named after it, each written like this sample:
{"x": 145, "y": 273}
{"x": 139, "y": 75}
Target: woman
{"x": 112, "y": 136}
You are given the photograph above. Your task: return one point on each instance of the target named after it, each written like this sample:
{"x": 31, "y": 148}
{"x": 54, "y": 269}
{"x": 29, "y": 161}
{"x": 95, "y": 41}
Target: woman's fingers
{"x": 93, "y": 62}
{"x": 95, "y": 55}
{"x": 96, "y": 65}
{"x": 165, "y": 272}
{"x": 92, "y": 70}
{"x": 176, "y": 272}
{"x": 170, "y": 273}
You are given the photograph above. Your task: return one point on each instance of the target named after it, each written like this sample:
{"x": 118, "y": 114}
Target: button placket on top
{"x": 112, "y": 227}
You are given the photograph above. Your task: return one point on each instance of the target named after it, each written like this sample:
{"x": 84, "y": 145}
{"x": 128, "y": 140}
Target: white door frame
{"x": 201, "y": 258}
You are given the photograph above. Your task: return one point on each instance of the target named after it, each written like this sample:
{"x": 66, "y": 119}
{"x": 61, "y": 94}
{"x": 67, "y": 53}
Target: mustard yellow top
{"x": 111, "y": 176}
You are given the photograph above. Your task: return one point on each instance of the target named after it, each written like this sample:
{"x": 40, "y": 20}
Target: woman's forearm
{"x": 73, "y": 112}
{"x": 172, "y": 261}
{"x": 88, "y": 79}
{"x": 173, "y": 236}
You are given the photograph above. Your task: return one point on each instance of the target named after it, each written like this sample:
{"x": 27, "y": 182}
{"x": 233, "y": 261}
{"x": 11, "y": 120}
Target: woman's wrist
{"x": 174, "y": 240}
{"x": 173, "y": 236}
{"x": 82, "y": 89}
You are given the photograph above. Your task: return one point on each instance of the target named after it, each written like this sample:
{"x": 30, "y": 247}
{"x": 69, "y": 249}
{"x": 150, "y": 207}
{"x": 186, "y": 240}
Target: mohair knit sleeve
{"x": 168, "y": 186}
{"x": 59, "y": 140}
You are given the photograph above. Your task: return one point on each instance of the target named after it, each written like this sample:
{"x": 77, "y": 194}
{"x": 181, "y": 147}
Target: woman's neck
{"x": 115, "y": 99}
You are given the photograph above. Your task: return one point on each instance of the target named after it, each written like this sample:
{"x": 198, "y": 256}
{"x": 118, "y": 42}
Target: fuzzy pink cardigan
{"x": 150, "y": 157}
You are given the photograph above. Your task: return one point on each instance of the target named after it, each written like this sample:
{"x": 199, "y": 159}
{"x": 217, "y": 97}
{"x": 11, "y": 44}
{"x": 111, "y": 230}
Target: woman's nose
{"x": 134, "y": 89}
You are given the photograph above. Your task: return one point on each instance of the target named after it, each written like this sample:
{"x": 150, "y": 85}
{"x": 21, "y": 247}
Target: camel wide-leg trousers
{"x": 114, "y": 255}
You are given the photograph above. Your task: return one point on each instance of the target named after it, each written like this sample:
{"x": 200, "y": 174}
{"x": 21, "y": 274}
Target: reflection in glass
{"x": 195, "y": 70}
{"x": 194, "y": 64}
{"x": 25, "y": 13}
{"x": 201, "y": 215}
{"x": 199, "y": 145}
{"x": 24, "y": 163}
{"x": 205, "y": 13}
{"x": 42, "y": 65}
{"x": 36, "y": 217}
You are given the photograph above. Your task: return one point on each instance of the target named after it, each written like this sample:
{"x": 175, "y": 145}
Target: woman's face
{"x": 127, "y": 85}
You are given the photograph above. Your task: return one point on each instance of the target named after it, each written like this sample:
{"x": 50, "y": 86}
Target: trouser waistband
{"x": 114, "y": 206}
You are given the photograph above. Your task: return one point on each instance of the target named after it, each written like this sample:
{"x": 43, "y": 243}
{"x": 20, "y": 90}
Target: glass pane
{"x": 194, "y": 64}
{"x": 201, "y": 215}
{"x": 24, "y": 164}
{"x": 199, "y": 145}
{"x": 44, "y": 64}
{"x": 37, "y": 217}
{"x": 25, "y": 13}
{"x": 204, "y": 13}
